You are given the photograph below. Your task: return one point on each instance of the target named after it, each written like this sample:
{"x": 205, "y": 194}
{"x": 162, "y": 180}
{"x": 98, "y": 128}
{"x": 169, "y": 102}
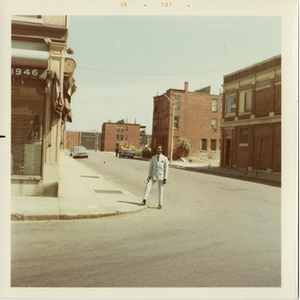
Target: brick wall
{"x": 127, "y": 135}
{"x": 194, "y": 119}
{"x": 262, "y": 148}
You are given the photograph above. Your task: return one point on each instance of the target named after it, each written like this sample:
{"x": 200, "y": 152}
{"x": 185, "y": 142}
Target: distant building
{"x": 72, "y": 139}
{"x": 119, "y": 135}
{"x": 251, "y": 119}
{"x": 197, "y": 118}
{"x": 41, "y": 88}
{"x": 90, "y": 140}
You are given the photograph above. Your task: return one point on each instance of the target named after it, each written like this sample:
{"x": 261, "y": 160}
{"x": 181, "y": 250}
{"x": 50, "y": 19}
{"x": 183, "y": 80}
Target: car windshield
{"x": 79, "y": 148}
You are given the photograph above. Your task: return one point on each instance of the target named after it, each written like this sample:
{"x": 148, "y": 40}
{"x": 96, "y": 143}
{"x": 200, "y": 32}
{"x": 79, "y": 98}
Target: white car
{"x": 79, "y": 151}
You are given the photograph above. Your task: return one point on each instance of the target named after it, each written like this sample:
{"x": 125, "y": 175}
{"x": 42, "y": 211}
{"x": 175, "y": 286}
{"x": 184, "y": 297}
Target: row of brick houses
{"x": 41, "y": 88}
{"x": 242, "y": 126}
{"x": 113, "y": 135}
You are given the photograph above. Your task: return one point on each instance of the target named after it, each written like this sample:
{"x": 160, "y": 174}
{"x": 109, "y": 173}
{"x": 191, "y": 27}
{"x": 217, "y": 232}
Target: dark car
{"x": 79, "y": 151}
{"x": 127, "y": 153}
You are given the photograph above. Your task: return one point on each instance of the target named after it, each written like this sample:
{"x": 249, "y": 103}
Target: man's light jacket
{"x": 159, "y": 169}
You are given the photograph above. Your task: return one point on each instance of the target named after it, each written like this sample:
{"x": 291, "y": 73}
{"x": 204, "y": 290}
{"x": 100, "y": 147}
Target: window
{"x": 245, "y": 102}
{"x": 214, "y": 124}
{"x": 214, "y": 105}
{"x": 117, "y": 137}
{"x": 176, "y": 122}
{"x": 248, "y": 101}
{"x": 177, "y": 101}
{"x": 244, "y": 136}
{"x": 213, "y": 145}
{"x": 27, "y": 121}
{"x": 230, "y": 104}
{"x": 204, "y": 144}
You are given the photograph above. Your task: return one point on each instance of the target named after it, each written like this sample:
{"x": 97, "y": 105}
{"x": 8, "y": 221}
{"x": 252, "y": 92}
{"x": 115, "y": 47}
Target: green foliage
{"x": 183, "y": 148}
{"x": 137, "y": 152}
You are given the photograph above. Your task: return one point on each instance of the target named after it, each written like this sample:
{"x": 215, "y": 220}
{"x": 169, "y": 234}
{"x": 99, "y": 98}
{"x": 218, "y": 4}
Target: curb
{"x": 66, "y": 217}
{"x": 230, "y": 175}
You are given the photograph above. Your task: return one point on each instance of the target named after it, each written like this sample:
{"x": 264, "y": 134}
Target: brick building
{"x": 90, "y": 140}
{"x": 251, "y": 118}
{"x": 41, "y": 87}
{"x": 197, "y": 117}
{"x": 119, "y": 134}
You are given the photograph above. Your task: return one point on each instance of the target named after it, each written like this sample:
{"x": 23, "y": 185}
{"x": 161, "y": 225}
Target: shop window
{"x": 213, "y": 145}
{"x": 27, "y": 126}
{"x": 230, "y": 104}
{"x": 214, "y": 105}
{"x": 204, "y": 144}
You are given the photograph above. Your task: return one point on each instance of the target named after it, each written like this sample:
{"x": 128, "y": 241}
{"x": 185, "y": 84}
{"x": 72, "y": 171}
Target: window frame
{"x": 232, "y": 97}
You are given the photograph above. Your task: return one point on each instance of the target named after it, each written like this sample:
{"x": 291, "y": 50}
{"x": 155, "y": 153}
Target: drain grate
{"x": 108, "y": 191}
{"x": 89, "y": 176}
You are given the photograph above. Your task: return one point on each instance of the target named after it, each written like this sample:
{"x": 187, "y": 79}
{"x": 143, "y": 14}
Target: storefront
{"x": 41, "y": 87}
{"x": 27, "y": 121}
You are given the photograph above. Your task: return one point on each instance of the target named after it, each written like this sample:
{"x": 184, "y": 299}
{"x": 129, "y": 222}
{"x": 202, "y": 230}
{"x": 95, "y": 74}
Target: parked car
{"x": 79, "y": 151}
{"x": 127, "y": 153}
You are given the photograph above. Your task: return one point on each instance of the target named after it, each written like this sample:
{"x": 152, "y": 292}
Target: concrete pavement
{"x": 83, "y": 193}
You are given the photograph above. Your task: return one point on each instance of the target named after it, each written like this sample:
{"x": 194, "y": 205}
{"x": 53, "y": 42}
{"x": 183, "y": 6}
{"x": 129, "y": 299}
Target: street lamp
{"x": 95, "y": 131}
{"x": 172, "y": 134}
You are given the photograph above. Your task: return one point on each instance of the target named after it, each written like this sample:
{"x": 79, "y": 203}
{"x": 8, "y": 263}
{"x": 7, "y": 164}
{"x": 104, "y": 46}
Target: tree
{"x": 183, "y": 148}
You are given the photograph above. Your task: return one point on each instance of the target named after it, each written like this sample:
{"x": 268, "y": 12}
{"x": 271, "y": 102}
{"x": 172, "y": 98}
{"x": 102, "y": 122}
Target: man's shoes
{"x": 143, "y": 202}
{"x": 159, "y": 206}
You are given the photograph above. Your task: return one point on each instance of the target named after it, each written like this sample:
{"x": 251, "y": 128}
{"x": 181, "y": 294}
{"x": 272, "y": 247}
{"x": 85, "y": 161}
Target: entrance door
{"x": 227, "y": 153}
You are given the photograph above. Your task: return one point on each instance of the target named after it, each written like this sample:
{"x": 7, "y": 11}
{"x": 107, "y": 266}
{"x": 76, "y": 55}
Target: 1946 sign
{"x": 26, "y": 72}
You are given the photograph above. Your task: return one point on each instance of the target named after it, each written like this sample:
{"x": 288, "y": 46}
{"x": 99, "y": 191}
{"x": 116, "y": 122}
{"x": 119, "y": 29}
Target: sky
{"x": 122, "y": 62}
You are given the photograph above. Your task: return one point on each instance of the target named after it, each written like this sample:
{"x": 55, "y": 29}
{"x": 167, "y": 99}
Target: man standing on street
{"x": 158, "y": 171}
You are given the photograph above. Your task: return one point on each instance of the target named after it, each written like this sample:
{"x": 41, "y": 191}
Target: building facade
{"x": 41, "y": 88}
{"x": 90, "y": 140}
{"x": 197, "y": 117}
{"x": 120, "y": 135}
{"x": 251, "y": 119}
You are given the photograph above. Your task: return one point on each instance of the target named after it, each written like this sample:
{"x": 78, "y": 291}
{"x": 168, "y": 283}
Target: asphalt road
{"x": 212, "y": 232}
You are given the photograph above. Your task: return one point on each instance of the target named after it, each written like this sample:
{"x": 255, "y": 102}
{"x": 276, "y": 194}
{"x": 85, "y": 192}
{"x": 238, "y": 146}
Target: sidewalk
{"x": 84, "y": 194}
{"x": 273, "y": 179}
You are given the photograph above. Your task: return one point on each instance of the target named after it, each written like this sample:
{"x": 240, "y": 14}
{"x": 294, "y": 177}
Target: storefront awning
{"x": 34, "y": 58}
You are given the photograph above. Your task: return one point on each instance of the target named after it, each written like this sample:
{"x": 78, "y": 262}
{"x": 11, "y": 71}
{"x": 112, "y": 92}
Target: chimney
{"x": 186, "y": 86}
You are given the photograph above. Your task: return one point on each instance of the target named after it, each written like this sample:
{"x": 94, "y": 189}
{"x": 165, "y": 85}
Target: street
{"x": 212, "y": 232}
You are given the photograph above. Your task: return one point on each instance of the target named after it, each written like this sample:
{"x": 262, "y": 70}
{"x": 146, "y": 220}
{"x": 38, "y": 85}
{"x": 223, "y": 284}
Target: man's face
{"x": 159, "y": 150}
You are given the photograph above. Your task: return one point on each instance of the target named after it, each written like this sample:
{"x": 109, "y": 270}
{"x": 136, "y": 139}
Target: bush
{"x": 146, "y": 153}
{"x": 183, "y": 148}
{"x": 137, "y": 152}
